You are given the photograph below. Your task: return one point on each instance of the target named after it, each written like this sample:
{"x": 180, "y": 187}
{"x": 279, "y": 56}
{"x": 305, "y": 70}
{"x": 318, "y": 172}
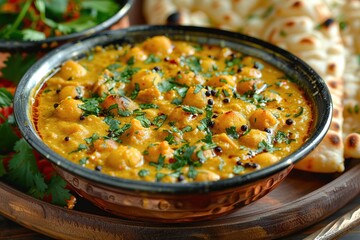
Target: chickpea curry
{"x": 171, "y": 111}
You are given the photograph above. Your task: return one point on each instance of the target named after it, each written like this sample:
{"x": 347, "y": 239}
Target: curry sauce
{"x": 171, "y": 111}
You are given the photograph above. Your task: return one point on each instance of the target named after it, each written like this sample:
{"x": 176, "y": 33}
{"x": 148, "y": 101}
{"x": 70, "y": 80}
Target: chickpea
{"x": 250, "y": 72}
{"x": 265, "y": 159}
{"x": 253, "y": 138}
{"x": 155, "y": 150}
{"x": 184, "y": 49}
{"x": 136, "y": 134}
{"x": 69, "y": 110}
{"x": 124, "y": 157}
{"x": 71, "y": 91}
{"x": 189, "y": 78}
{"x": 245, "y": 86}
{"x": 159, "y": 45}
{"x": 71, "y": 70}
{"x": 227, "y": 120}
{"x": 206, "y": 176}
{"x": 198, "y": 99}
{"x": 137, "y": 53}
{"x": 208, "y": 153}
{"x": 262, "y": 119}
{"x": 121, "y": 102}
{"x": 221, "y": 81}
{"x": 105, "y": 145}
{"x": 148, "y": 95}
{"x": 181, "y": 117}
{"x": 208, "y": 65}
{"x": 224, "y": 141}
{"x": 145, "y": 79}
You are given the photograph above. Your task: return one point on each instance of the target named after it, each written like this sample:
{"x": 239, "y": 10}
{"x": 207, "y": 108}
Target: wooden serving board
{"x": 300, "y": 201}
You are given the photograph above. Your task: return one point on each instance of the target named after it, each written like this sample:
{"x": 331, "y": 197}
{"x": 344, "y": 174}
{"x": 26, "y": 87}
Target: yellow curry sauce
{"x": 171, "y": 111}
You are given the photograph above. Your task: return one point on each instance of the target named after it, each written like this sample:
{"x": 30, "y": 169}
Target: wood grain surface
{"x": 302, "y": 200}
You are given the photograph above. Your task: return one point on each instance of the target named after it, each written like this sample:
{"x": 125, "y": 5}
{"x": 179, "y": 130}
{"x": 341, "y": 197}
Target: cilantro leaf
{"x": 192, "y": 172}
{"x": 32, "y": 35}
{"x": 231, "y": 132}
{"x": 56, "y": 188}
{"x": 104, "y": 6}
{"x": 39, "y": 188}
{"x": 144, "y": 121}
{"x": 192, "y": 110}
{"x": 6, "y": 98}
{"x": 193, "y": 63}
{"x": 22, "y": 166}
{"x": 152, "y": 59}
{"x": 91, "y": 106}
{"x": 159, "y": 120}
{"x": 143, "y": 173}
{"x": 16, "y": 65}
{"x": 238, "y": 169}
{"x": 136, "y": 91}
{"x": 2, "y": 166}
{"x": 265, "y": 146}
{"x": 8, "y": 137}
{"x": 113, "y": 123}
{"x": 148, "y": 106}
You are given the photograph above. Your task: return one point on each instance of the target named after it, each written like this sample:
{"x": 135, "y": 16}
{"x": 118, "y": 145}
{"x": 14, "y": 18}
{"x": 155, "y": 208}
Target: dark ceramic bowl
{"x": 51, "y": 42}
{"x": 172, "y": 202}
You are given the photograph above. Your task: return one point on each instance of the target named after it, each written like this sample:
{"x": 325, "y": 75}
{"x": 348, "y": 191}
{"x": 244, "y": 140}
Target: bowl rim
{"x": 18, "y": 45}
{"x": 21, "y": 113}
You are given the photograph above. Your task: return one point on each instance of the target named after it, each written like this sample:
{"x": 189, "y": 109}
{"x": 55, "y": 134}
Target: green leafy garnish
{"x": 16, "y": 65}
{"x": 231, "y": 132}
{"x": 192, "y": 110}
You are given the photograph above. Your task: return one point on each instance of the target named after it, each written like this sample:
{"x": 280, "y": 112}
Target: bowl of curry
{"x": 172, "y": 123}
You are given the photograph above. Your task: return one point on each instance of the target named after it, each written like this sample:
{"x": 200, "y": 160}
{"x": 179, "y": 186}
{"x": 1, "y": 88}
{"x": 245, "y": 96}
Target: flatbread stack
{"x": 348, "y": 14}
{"x": 308, "y": 29}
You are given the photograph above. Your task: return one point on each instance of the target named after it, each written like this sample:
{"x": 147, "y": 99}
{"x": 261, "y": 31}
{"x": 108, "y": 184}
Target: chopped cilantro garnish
{"x": 148, "y": 106}
{"x": 144, "y": 121}
{"x": 231, "y": 132}
{"x": 193, "y": 62}
{"x": 114, "y": 66}
{"x": 83, "y": 161}
{"x": 198, "y": 88}
{"x": 81, "y": 147}
{"x": 159, "y": 164}
{"x": 177, "y": 101}
{"x": 300, "y": 112}
{"x": 159, "y": 120}
{"x": 281, "y": 137}
{"x": 143, "y": 173}
{"x": 91, "y": 106}
{"x": 136, "y": 91}
{"x": 92, "y": 139}
{"x": 192, "y": 172}
{"x": 124, "y": 113}
{"x": 238, "y": 169}
{"x": 265, "y": 146}
{"x": 192, "y": 110}
{"x": 152, "y": 59}
{"x": 187, "y": 129}
{"x": 113, "y": 123}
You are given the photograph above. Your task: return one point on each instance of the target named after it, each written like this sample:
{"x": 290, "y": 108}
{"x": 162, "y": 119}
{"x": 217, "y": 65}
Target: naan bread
{"x": 305, "y": 28}
{"x": 348, "y": 13}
